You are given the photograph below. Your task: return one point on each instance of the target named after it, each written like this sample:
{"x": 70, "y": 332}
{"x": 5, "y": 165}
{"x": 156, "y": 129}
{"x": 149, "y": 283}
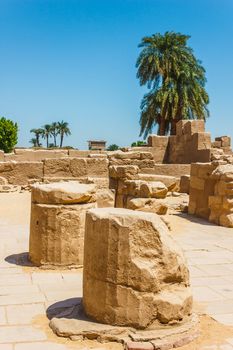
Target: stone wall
{"x": 211, "y": 192}
{"x": 190, "y": 144}
{"x": 24, "y": 173}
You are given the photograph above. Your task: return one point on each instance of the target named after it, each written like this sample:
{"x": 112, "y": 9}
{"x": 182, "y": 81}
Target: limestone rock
{"x": 71, "y": 192}
{"x": 134, "y": 272}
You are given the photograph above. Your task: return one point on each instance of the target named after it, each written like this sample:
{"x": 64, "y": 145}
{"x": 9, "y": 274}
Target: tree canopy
{"x": 176, "y": 82}
{"x": 8, "y": 134}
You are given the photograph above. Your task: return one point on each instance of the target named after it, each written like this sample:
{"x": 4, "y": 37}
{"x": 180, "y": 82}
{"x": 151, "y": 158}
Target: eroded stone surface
{"x": 134, "y": 269}
{"x": 71, "y": 192}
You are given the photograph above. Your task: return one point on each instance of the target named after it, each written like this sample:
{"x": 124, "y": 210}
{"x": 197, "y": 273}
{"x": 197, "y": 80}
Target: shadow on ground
{"x": 64, "y": 309}
{"x": 195, "y": 219}
{"x": 21, "y": 259}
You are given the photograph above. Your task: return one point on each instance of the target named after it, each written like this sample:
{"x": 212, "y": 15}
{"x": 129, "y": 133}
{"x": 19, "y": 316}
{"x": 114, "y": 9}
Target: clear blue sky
{"x": 75, "y": 60}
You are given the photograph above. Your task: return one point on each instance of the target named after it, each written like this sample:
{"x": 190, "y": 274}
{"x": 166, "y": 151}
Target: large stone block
{"x": 97, "y": 167}
{"x": 194, "y": 126}
{"x": 57, "y": 222}
{"x": 25, "y": 154}
{"x": 134, "y": 272}
{"x": 57, "y": 167}
{"x": 21, "y": 173}
{"x": 71, "y": 192}
{"x": 57, "y": 234}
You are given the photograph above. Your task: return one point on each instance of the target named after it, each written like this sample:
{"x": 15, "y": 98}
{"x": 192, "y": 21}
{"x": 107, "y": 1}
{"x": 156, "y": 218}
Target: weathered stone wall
{"x": 54, "y": 169}
{"x": 190, "y": 144}
{"x": 137, "y": 191}
{"x": 211, "y": 192}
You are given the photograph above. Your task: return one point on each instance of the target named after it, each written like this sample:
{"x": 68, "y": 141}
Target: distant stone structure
{"x": 134, "y": 273}
{"x": 96, "y": 145}
{"x": 58, "y": 213}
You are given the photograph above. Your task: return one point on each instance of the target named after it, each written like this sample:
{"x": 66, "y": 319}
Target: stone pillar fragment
{"x": 134, "y": 273}
{"x": 57, "y": 222}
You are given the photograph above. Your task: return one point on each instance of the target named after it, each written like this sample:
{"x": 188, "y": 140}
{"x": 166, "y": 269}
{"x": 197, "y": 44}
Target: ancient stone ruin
{"x": 211, "y": 192}
{"x": 135, "y": 283}
{"x": 134, "y": 269}
{"x": 57, "y": 223}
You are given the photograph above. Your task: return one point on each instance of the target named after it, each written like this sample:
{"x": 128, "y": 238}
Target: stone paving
{"x": 27, "y": 293}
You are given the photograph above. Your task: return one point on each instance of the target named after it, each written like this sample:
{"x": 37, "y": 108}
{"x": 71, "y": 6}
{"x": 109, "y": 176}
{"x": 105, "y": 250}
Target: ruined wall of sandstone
{"x": 211, "y": 192}
{"x": 190, "y": 144}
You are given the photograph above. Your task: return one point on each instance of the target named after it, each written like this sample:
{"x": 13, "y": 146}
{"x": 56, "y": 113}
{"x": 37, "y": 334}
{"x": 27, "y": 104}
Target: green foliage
{"x": 113, "y": 147}
{"x": 51, "y": 130}
{"x": 176, "y": 79}
{"x": 138, "y": 144}
{"x": 8, "y": 134}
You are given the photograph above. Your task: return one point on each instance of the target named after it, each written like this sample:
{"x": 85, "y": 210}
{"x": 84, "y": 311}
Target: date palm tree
{"x": 54, "y": 132}
{"x": 33, "y": 141}
{"x": 176, "y": 80}
{"x": 46, "y": 133}
{"x": 63, "y": 129}
{"x": 38, "y": 132}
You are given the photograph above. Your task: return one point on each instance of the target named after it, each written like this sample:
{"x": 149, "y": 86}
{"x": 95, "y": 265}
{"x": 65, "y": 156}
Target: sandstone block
{"x": 71, "y": 192}
{"x": 197, "y": 183}
{"x": 97, "y": 167}
{"x": 21, "y": 173}
{"x": 57, "y": 167}
{"x": 134, "y": 269}
{"x": 184, "y": 183}
{"x": 78, "y": 167}
{"x": 123, "y": 171}
{"x": 194, "y": 126}
{"x": 147, "y": 205}
{"x": 57, "y": 234}
{"x": 171, "y": 182}
{"x": 144, "y": 189}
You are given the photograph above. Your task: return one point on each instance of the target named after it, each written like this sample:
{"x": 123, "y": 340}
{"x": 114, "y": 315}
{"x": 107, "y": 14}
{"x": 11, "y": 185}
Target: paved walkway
{"x": 26, "y": 293}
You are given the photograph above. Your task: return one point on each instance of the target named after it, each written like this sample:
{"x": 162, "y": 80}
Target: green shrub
{"x": 8, "y": 134}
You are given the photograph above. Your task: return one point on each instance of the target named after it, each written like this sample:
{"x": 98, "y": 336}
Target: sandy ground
{"x": 15, "y": 210}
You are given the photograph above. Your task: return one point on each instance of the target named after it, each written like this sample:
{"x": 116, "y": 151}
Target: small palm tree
{"x": 46, "y": 133}
{"x": 33, "y": 141}
{"x": 63, "y": 129}
{"x": 54, "y": 131}
{"x": 38, "y": 133}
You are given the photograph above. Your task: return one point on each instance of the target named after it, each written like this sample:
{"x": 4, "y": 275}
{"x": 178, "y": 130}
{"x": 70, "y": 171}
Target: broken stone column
{"x": 134, "y": 273}
{"x": 58, "y": 213}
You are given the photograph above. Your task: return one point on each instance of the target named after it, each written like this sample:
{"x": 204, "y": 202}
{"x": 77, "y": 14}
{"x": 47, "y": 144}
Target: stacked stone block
{"x": 211, "y": 192}
{"x": 134, "y": 270}
{"x": 58, "y": 213}
{"x": 221, "y": 203}
{"x": 190, "y": 144}
{"x": 138, "y": 191}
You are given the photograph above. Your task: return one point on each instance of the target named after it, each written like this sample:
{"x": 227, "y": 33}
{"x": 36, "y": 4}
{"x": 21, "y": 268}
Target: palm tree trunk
{"x": 37, "y": 140}
{"x": 55, "y": 141}
{"x": 173, "y": 126}
{"x": 61, "y": 141}
{"x": 162, "y": 127}
{"x": 47, "y": 141}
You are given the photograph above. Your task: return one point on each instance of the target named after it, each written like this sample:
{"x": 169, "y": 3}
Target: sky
{"x": 74, "y": 60}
